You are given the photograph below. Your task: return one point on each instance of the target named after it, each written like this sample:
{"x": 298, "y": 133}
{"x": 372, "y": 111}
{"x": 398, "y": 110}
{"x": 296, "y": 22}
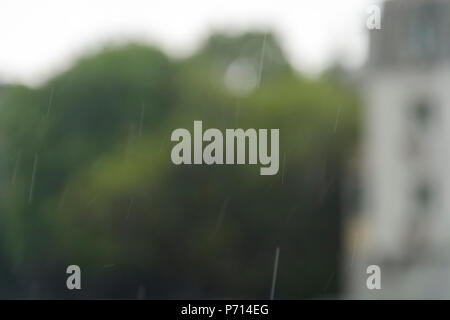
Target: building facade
{"x": 404, "y": 226}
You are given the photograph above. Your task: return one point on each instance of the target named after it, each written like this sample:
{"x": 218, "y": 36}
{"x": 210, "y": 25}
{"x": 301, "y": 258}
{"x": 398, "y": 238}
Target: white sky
{"x": 40, "y": 37}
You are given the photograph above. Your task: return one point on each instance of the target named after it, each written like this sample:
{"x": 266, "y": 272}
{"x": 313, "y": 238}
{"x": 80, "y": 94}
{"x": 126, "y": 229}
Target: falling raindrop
{"x": 275, "y": 271}
{"x": 141, "y": 120}
{"x": 261, "y": 61}
{"x": 141, "y": 292}
{"x": 336, "y": 122}
{"x": 129, "y": 207}
{"x": 16, "y": 168}
{"x": 33, "y": 176}
{"x": 50, "y": 101}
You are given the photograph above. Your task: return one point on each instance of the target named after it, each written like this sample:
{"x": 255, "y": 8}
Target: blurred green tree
{"x": 87, "y": 177}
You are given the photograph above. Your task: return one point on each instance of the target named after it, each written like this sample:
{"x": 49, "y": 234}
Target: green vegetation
{"x": 105, "y": 191}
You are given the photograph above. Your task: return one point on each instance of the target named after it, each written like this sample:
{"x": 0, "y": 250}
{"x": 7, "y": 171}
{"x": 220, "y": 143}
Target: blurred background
{"x": 90, "y": 92}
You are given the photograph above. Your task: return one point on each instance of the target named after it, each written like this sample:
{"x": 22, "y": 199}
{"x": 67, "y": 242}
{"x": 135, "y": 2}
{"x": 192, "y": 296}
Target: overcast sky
{"x": 40, "y": 37}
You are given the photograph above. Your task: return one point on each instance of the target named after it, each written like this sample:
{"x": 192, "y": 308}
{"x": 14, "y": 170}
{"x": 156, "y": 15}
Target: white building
{"x": 404, "y": 226}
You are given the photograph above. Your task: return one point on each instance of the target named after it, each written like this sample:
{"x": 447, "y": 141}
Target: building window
{"x": 424, "y": 196}
{"x": 420, "y": 117}
{"x": 423, "y": 114}
{"x": 422, "y": 33}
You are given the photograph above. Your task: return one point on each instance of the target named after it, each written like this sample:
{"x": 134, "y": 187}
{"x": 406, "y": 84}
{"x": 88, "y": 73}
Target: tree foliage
{"x": 86, "y": 177}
